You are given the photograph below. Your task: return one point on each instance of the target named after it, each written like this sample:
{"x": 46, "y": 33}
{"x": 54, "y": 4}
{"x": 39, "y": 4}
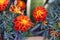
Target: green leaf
{"x": 9, "y": 28}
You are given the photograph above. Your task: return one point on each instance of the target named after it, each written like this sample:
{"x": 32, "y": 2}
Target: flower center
{"x": 24, "y": 21}
{"x": 2, "y": 1}
{"x": 39, "y": 13}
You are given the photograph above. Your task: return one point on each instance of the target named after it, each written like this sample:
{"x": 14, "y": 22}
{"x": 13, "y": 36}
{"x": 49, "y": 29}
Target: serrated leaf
{"x": 9, "y": 28}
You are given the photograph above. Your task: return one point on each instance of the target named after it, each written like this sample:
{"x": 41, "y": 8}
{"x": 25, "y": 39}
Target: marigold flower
{"x": 22, "y": 23}
{"x": 21, "y": 4}
{"x": 3, "y": 4}
{"x": 40, "y": 14}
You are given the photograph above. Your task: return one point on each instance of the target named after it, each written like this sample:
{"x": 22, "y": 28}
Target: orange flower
{"x": 40, "y": 14}
{"x": 3, "y": 4}
{"x": 22, "y": 23}
{"x": 15, "y": 9}
{"x": 21, "y": 4}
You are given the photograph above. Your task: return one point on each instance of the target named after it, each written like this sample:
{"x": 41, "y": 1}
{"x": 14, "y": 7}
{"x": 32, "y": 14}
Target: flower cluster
{"x": 23, "y": 23}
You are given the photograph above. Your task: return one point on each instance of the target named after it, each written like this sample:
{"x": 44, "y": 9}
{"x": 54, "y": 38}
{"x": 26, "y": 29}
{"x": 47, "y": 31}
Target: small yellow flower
{"x": 16, "y": 10}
